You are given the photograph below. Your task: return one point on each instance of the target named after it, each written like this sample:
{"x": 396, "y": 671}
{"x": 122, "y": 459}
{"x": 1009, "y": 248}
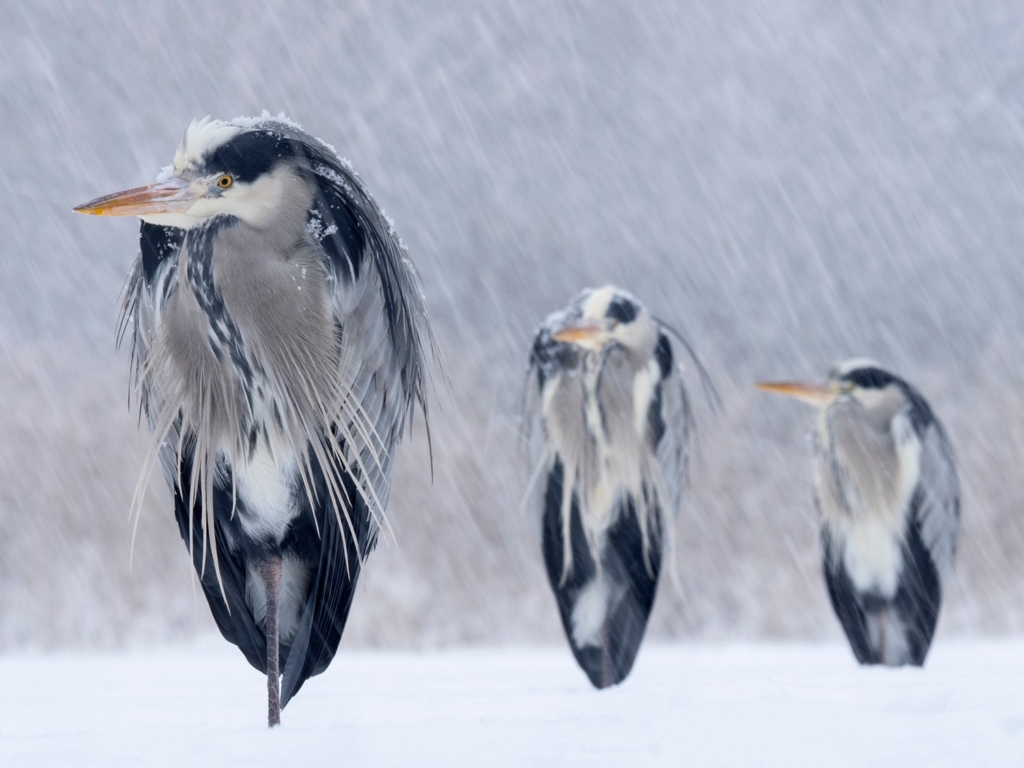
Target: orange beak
{"x": 584, "y": 333}
{"x": 174, "y": 196}
{"x": 815, "y": 394}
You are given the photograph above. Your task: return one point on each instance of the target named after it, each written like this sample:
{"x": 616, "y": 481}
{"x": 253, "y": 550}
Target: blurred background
{"x": 790, "y": 182}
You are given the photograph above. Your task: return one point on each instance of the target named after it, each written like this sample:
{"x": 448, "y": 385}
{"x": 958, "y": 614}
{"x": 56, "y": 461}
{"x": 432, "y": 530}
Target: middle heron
{"x": 609, "y": 424}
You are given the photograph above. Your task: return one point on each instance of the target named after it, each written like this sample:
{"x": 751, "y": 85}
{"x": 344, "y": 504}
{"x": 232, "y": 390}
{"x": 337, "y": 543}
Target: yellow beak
{"x": 815, "y": 394}
{"x": 174, "y": 196}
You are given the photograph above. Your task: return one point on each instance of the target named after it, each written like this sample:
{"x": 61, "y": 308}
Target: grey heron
{"x": 278, "y": 350}
{"x": 888, "y": 499}
{"x": 609, "y": 424}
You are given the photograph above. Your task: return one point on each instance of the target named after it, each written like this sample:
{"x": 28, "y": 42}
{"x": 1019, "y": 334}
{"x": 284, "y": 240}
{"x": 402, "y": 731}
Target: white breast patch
{"x": 591, "y": 612}
{"x": 268, "y": 494}
{"x": 873, "y": 556}
{"x": 871, "y": 532}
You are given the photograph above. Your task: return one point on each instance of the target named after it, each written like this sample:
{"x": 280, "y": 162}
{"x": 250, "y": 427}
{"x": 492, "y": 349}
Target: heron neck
{"x": 225, "y": 337}
{"x": 862, "y": 457}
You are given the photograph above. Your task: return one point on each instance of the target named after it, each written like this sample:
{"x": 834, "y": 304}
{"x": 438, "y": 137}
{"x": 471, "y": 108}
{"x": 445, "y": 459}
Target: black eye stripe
{"x": 621, "y": 310}
{"x": 870, "y": 378}
{"x": 249, "y": 155}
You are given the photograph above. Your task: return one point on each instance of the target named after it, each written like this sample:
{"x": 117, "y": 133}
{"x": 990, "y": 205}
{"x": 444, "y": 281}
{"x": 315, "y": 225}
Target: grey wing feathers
{"x": 153, "y": 278}
{"x": 938, "y": 508}
{"x": 381, "y": 370}
{"x": 383, "y": 322}
{"x": 673, "y": 450}
{"x": 376, "y": 389}
{"x": 534, "y": 434}
{"x": 398, "y": 284}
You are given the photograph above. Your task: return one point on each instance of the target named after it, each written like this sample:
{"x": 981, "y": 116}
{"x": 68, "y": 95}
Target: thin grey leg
{"x": 270, "y": 573}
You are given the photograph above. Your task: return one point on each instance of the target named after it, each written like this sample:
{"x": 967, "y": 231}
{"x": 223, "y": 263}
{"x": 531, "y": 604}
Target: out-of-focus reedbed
{"x": 789, "y": 183}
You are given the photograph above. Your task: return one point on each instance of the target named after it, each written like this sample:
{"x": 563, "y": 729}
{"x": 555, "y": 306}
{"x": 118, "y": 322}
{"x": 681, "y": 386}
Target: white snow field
{"x": 687, "y": 705}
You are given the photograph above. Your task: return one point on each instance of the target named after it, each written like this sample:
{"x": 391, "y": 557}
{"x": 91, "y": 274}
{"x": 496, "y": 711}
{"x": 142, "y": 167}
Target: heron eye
{"x": 225, "y": 181}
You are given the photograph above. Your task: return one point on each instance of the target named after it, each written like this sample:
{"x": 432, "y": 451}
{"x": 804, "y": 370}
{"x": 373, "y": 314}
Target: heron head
{"x": 864, "y": 380}
{"x": 609, "y": 317}
{"x": 240, "y": 168}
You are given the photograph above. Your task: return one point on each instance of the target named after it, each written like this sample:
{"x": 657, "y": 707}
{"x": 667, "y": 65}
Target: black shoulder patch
{"x": 655, "y": 417}
{"x": 549, "y": 357}
{"x": 158, "y": 243}
{"x": 663, "y": 354}
{"x": 333, "y": 224}
{"x": 539, "y": 357}
{"x": 921, "y": 416}
{"x": 621, "y": 310}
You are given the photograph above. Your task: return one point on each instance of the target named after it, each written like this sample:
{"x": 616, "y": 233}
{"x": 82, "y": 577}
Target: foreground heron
{"x": 889, "y": 504}
{"x": 610, "y": 424}
{"x": 278, "y": 347}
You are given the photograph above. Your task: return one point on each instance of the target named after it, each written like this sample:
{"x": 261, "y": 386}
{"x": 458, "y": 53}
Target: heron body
{"x": 278, "y": 343}
{"x": 887, "y": 494}
{"x": 610, "y": 426}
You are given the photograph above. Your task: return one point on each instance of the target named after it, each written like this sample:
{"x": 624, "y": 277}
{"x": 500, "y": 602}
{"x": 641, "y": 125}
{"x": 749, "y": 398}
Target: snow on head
{"x": 855, "y": 363}
{"x": 265, "y": 117}
{"x": 201, "y": 138}
{"x": 206, "y": 134}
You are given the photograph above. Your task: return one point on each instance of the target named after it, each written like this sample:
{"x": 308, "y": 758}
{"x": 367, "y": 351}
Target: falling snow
{"x": 333, "y": 176}
{"x": 788, "y": 182}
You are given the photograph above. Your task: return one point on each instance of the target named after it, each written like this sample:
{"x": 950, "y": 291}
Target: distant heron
{"x": 279, "y": 335}
{"x": 610, "y": 424}
{"x": 889, "y": 505}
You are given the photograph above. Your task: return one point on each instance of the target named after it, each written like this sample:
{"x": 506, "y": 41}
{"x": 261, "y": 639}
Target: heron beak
{"x": 173, "y": 196}
{"x": 591, "y": 334}
{"x": 815, "y": 394}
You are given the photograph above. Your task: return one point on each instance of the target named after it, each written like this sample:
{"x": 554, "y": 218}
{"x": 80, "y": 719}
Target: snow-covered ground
{"x": 762, "y": 705}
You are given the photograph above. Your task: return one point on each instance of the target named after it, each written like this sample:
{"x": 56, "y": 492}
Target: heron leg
{"x": 607, "y": 676}
{"x": 883, "y": 619}
{"x": 270, "y": 573}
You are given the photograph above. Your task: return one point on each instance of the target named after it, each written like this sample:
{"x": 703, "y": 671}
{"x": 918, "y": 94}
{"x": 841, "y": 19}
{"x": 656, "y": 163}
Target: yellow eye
{"x": 225, "y": 181}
